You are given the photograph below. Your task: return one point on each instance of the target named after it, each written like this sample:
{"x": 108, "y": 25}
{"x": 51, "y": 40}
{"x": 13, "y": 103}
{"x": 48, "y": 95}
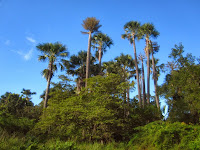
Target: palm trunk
{"x": 155, "y": 82}
{"x": 140, "y": 78}
{"x": 148, "y": 72}
{"x": 143, "y": 83}
{"x": 78, "y": 85}
{"x": 137, "y": 72}
{"x": 100, "y": 60}
{"x": 48, "y": 85}
{"x": 88, "y": 59}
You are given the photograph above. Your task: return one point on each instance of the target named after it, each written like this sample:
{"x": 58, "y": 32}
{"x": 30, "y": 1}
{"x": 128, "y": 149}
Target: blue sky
{"x": 25, "y": 23}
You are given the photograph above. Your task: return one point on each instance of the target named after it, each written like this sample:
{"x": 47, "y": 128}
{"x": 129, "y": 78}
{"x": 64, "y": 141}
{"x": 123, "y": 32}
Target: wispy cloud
{"x": 30, "y": 39}
{"x": 26, "y": 56}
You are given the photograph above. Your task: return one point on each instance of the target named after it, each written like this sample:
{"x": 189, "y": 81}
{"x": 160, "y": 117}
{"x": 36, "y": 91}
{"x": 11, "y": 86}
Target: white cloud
{"x": 30, "y": 39}
{"x": 7, "y": 42}
{"x": 26, "y": 56}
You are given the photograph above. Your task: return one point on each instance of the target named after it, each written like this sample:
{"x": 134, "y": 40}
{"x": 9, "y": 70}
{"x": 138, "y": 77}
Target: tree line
{"x": 99, "y": 108}
{"x": 100, "y": 42}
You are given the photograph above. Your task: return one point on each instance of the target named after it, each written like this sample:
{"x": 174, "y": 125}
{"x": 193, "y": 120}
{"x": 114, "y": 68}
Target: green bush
{"x": 165, "y": 135}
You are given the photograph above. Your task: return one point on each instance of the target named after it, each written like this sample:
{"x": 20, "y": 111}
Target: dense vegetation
{"x": 97, "y": 112}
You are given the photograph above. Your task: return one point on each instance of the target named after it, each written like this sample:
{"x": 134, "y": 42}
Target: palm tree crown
{"x": 91, "y": 24}
{"x": 148, "y": 30}
{"x": 131, "y": 30}
{"x": 51, "y": 51}
{"x": 100, "y": 42}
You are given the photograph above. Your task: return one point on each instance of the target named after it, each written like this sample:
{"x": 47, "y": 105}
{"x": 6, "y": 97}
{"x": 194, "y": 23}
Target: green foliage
{"x": 77, "y": 63}
{"x": 57, "y": 145}
{"x": 27, "y": 93}
{"x": 181, "y": 88}
{"x": 18, "y": 143}
{"x": 91, "y": 115}
{"x": 165, "y": 135}
{"x": 11, "y": 143}
{"x": 12, "y": 124}
{"x": 17, "y": 114}
{"x": 98, "y": 113}
{"x": 100, "y": 146}
{"x": 12, "y": 103}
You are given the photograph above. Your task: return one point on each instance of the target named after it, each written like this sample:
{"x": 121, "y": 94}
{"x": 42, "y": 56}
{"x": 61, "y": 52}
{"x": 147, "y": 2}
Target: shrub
{"x": 166, "y": 135}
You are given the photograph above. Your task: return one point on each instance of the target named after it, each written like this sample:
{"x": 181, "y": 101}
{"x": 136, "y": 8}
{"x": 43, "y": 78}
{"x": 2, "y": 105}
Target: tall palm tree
{"x": 52, "y": 52}
{"x": 148, "y": 30}
{"x": 141, "y": 58}
{"x": 91, "y": 25}
{"x": 154, "y": 48}
{"x": 100, "y": 42}
{"x": 131, "y": 31}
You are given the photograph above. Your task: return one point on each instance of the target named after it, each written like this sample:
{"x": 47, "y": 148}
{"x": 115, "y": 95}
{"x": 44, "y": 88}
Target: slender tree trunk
{"x": 148, "y": 72}
{"x": 137, "y": 72}
{"x": 48, "y": 85}
{"x": 155, "y": 82}
{"x": 88, "y": 59}
{"x": 143, "y": 83}
{"x": 128, "y": 101}
{"x": 100, "y": 60}
{"x": 140, "y": 78}
{"x": 78, "y": 85}
{"x": 124, "y": 103}
{"x": 128, "y": 95}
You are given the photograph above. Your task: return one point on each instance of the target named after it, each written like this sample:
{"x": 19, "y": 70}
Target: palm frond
{"x": 54, "y": 68}
{"x": 64, "y": 54}
{"x": 124, "y": 36}
{"x": 42, "y": 58}
{"x": 61, "y": 66}
{"x": 84, "y": 32}
{"x": 45, "y": 73}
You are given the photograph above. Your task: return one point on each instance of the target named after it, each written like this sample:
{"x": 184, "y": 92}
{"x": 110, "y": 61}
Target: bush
{"x": 166, "y": 135}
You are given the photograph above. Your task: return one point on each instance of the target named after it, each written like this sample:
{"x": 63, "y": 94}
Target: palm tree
{"x": 100, "y": 42}
{"x": 141, "y": 58}
{"x": 126, "y": 69}
{"x": 91, "y": 24}
{"x": 52, "y": 52}
{"x": 154, "y": 48}
{"x": 124, "y": 66}
{"x": 131, "y": 31}
{"x": 76, "y": 66}
{"x": 148, "y": 30}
